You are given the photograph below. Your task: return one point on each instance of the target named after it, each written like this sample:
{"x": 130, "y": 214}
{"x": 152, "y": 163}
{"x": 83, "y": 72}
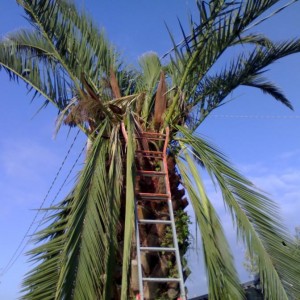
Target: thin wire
{"x": 255, "y": 116}
{"x": 183, "y": 42}
{"x": 60, "y": 189}
{"x": 13, "y": 259}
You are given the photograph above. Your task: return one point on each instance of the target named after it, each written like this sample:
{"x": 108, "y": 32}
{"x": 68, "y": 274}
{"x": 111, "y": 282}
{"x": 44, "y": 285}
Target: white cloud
{"x": 284, "y": 187}
{"x": 25, "y": 158}
{"x": 257, "y": 168}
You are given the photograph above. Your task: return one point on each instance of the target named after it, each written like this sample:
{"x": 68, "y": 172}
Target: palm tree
{"x": 86, "y": 248}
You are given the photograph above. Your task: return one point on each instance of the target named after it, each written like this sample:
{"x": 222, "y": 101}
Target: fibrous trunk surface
{"x": 154, "y": 264}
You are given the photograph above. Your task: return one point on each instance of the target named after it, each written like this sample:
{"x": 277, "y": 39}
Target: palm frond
{"x": 223, "y": 281}
{"x": 245, "y": 70}
{"x": 26, "y": 55}
{"x": 160, "y": 101}
{"x": 41, "y": 281}
{"x": 151, "y": 68}
{"x": 75, "y": 40}
{"x": 257, "y": 221}
{"x": 255, "y": 39}
{"x": 129, "y": 210}
{"x": 92, "y": 243}
{"x": 86, "y": 248}
{"x": 96, "y": 42}
{"x": 221, "y": 24}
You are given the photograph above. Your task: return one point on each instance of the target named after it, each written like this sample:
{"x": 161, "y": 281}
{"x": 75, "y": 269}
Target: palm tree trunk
{"x": 154, "y": 264}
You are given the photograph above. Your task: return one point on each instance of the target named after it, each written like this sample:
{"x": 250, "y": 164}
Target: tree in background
{"x": 85, "y": 250}
{"x": 251, "y": 264}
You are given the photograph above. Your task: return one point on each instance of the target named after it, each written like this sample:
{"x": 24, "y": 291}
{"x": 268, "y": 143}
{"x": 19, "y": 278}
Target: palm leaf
{"x": 93, "y": 227}
{"x": 221, "y": 24}
{"x": 245, "y": 70}
{"x": 41, "y": 281}
{"x": 129, "y": 210}
{"x": 73, "y": 34}
{"x": 82, "y": 260}
{"x": 151, "y": 68}
{"x": 257, "y": 219}
{"x": 26, "y": 56}
{"x": 223, "y": 281}
{"x": 160, "y": 101}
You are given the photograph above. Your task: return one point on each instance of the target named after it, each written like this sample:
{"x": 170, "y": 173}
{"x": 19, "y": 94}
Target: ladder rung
{"x": 152, "y": 156}
{"x": 152, "y": 196}
{"x": 158, "y": 249}
{"x": 151, "y": 173}
{"x": 152, "y": 133}
{"x": 150, "y": 138}
{"x": 149, "y": 152}
{"x": 147, "y": 221}
{"x": 158, "y": 279}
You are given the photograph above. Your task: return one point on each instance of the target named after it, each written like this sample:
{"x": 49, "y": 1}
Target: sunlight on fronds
{"x": 67, "y": 60}
{"x": 129, "y": 209}
{"x": 223, "y": 281}
{"x": 256, "y": 219}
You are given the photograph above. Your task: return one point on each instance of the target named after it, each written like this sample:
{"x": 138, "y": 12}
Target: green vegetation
{"x": 85, "y": 252}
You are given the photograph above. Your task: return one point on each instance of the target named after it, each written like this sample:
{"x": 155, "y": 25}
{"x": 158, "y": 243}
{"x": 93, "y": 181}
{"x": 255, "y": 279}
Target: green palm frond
{"x": 147, "y": 83}
{"x": 28, "y": 39}
{"x": 101, "y": 55}
{"x": 76, "y": 41}
{"x": 27, "y": 56}
{"x": 91, "y": 245}
{"x": 69, "y": 61}
{"x": 255, "y": 39}
{"x": 41, "y": 281}
{"x": 245, "y": 70}
{"x": 222, "y": 24}
{"x": 86, "y": 249}
{"x": 223, "y": 281}
{"x": 257, "y": 221}
{"x": 129, "y": 210}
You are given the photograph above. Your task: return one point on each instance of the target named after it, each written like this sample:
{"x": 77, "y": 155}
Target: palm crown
{"x": 67, "y": 60}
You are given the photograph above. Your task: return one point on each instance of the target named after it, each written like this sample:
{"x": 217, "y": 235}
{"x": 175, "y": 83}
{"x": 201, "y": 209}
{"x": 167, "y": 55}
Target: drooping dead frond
{"x": 160, "y": 101}
{"x": 114, "y": 84}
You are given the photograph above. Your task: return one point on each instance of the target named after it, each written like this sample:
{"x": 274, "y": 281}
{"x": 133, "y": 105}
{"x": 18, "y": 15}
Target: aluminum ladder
{"x": 162, "y": 140}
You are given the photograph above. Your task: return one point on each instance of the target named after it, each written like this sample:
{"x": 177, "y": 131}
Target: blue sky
{"x": 263, "y": 147}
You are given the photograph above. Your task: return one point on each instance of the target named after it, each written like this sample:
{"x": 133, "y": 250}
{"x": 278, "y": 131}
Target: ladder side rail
{"x": 138, "y": 252}
{"x": 137, "y": 233}
{"x": 175, "y": 241}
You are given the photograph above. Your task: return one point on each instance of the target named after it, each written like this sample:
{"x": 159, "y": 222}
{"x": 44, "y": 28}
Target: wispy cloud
{"x": 288, "y": 155}
{"x": 281, "y": 182}
{"x": 25, "y": 159}
{"x": 27, "y": 169}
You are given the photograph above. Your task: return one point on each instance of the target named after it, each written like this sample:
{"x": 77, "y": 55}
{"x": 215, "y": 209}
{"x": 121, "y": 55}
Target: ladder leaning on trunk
{"x": 160, "y": 154}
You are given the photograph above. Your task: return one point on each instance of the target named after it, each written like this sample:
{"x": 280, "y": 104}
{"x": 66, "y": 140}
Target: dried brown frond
{"x": 139, "y": 103}
{"x": 86, "y": 110}
{"x": 88, "y": 88}
{"x": 114, "y": 84}
{"x": 116, "y": 109}
{"x": 160, "y": 101}
{"x": 74, "y": 117}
